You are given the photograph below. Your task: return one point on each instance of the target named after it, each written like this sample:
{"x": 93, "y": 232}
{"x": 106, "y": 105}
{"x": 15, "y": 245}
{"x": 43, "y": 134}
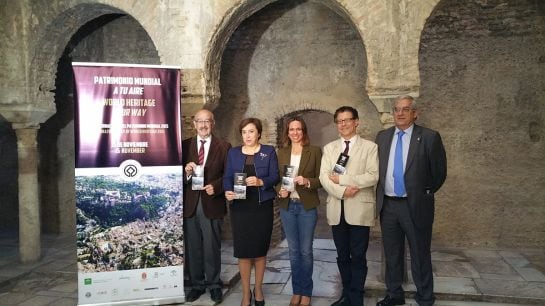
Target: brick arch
{"x": 272, "y": 129}
{"x": 229, "y": 23}
{"x": 280, "y": 118}
{"x": 286, "y": 112}
{"x": 283, "y": 111}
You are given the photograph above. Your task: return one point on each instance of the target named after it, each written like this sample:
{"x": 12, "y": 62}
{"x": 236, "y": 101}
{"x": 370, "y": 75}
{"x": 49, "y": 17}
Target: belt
{"x": 295, "y": 199}
{"x": 395, "y": 198}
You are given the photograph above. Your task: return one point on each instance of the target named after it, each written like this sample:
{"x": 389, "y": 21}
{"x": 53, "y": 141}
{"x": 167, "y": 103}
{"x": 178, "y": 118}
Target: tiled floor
{"x": 469, "y": 277}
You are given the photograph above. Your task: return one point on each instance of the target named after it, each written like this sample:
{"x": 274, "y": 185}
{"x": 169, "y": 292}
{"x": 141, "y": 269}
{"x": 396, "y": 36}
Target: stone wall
{"x": 478, "y": 67}
{"x": 483, "y": 86}
{"x": 288, "y": 57}
{"x": 112, "y": 38}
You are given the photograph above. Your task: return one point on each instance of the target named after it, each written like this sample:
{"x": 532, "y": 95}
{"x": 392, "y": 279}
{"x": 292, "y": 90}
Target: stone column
{"x": 383, "y": 103}
{"x": 29, "y": 201}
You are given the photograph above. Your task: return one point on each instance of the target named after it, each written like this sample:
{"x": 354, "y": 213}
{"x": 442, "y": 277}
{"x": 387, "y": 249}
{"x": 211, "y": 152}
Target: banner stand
{"x": 128, "y": 183}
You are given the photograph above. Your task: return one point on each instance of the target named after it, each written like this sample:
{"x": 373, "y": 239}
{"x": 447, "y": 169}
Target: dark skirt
{"x": 252, "y": 224}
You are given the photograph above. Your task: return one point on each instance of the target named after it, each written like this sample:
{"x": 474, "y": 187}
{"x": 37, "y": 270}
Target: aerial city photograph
{"x": 128, "y": 225}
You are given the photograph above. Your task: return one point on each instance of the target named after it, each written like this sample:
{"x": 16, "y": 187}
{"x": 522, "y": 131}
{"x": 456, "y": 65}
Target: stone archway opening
{"x": 286, "y": 57}
{"x": 102, "y": 39}
{"x": 292, "y": 55}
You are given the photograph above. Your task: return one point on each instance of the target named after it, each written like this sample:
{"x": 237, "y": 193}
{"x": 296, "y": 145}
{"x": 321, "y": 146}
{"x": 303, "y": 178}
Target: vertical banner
{"x": 128, "y": 184}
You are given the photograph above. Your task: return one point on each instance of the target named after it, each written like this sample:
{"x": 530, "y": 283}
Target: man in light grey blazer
{"x": 350, "y": 201}
{"x": 413, "y": 166}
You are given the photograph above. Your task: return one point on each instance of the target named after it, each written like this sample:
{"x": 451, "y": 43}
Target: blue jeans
{"x": 299, "y": 225}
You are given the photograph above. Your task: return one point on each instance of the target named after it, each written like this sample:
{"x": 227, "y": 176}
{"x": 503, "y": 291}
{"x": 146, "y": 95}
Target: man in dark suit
{"x": 412, "y": 168}
{"x": 204, "y": 209}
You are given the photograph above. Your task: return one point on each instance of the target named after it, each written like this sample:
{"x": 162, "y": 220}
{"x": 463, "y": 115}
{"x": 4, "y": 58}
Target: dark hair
{"x": 343, "y": 109}
{"x": 286, "y": 140}
{"x": 254, "y": 121}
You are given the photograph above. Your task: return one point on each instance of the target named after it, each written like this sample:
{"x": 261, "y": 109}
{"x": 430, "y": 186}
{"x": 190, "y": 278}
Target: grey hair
{"x": 406, "y": 97}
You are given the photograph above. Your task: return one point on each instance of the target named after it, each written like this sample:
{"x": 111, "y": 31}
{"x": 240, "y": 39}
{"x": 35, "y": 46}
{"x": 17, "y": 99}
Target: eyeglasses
{"x": 404, "y": 110}
{"x": 205, "y": 122}
{"x": 344, "y": 121}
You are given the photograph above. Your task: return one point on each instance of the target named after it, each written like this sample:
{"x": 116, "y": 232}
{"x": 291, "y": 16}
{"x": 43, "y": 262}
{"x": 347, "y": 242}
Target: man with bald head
{"x": 204, "y": 209}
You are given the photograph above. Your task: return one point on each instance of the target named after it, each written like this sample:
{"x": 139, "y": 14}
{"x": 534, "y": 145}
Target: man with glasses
{"x": 349, "y": 173}
{"x": 413, "y": 166}
{"x": 204, "y": 207}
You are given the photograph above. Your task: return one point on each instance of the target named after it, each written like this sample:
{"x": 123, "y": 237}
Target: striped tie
{"x": 201, "y": 152}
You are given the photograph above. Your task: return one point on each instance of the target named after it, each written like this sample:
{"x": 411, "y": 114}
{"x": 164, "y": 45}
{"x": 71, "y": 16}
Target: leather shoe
{"x": 343, "y": 301}
{"x": 194, "y": 294}
{"x": 390, "y": 301}
{"x": 216, "y": 294}
{"x": 258, "y": 303}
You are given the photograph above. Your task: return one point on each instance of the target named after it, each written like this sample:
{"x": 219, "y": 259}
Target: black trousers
{"x": 351, "y": 242}
{"x": 203, "y": 249}
{"x": 396, "y": 224}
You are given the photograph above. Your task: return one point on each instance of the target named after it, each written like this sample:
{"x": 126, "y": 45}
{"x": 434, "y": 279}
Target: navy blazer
{"x": 266, "y": 167}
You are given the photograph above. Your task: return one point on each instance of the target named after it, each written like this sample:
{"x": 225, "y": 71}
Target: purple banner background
{"x": 127, "y": 113}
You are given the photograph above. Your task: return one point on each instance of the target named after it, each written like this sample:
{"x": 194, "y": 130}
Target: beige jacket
{"x": 361, "y": 171}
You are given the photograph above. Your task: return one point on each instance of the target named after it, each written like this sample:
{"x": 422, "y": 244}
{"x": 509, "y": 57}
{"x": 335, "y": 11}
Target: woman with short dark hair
{"x": 251, "y": 216}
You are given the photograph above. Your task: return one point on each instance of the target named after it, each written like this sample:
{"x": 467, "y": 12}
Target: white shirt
{"x": 389, "y": 183}
{"x": 295, "y": 160}
{"x": 352, "y": 140}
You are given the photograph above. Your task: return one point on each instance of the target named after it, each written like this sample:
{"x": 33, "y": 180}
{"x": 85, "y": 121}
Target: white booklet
{"x": 239, "y": 186}
{"x": 197, "y": 179}
{"x": 287, "y": 179}
{"x": 340, "y": 165}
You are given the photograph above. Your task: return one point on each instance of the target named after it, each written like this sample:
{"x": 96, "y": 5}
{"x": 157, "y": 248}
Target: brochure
{"x": 340, "y": 165}
{"x": 240, "y": 185}
{"x": 287, "y": 179}
{"x": 197, "y": 179}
